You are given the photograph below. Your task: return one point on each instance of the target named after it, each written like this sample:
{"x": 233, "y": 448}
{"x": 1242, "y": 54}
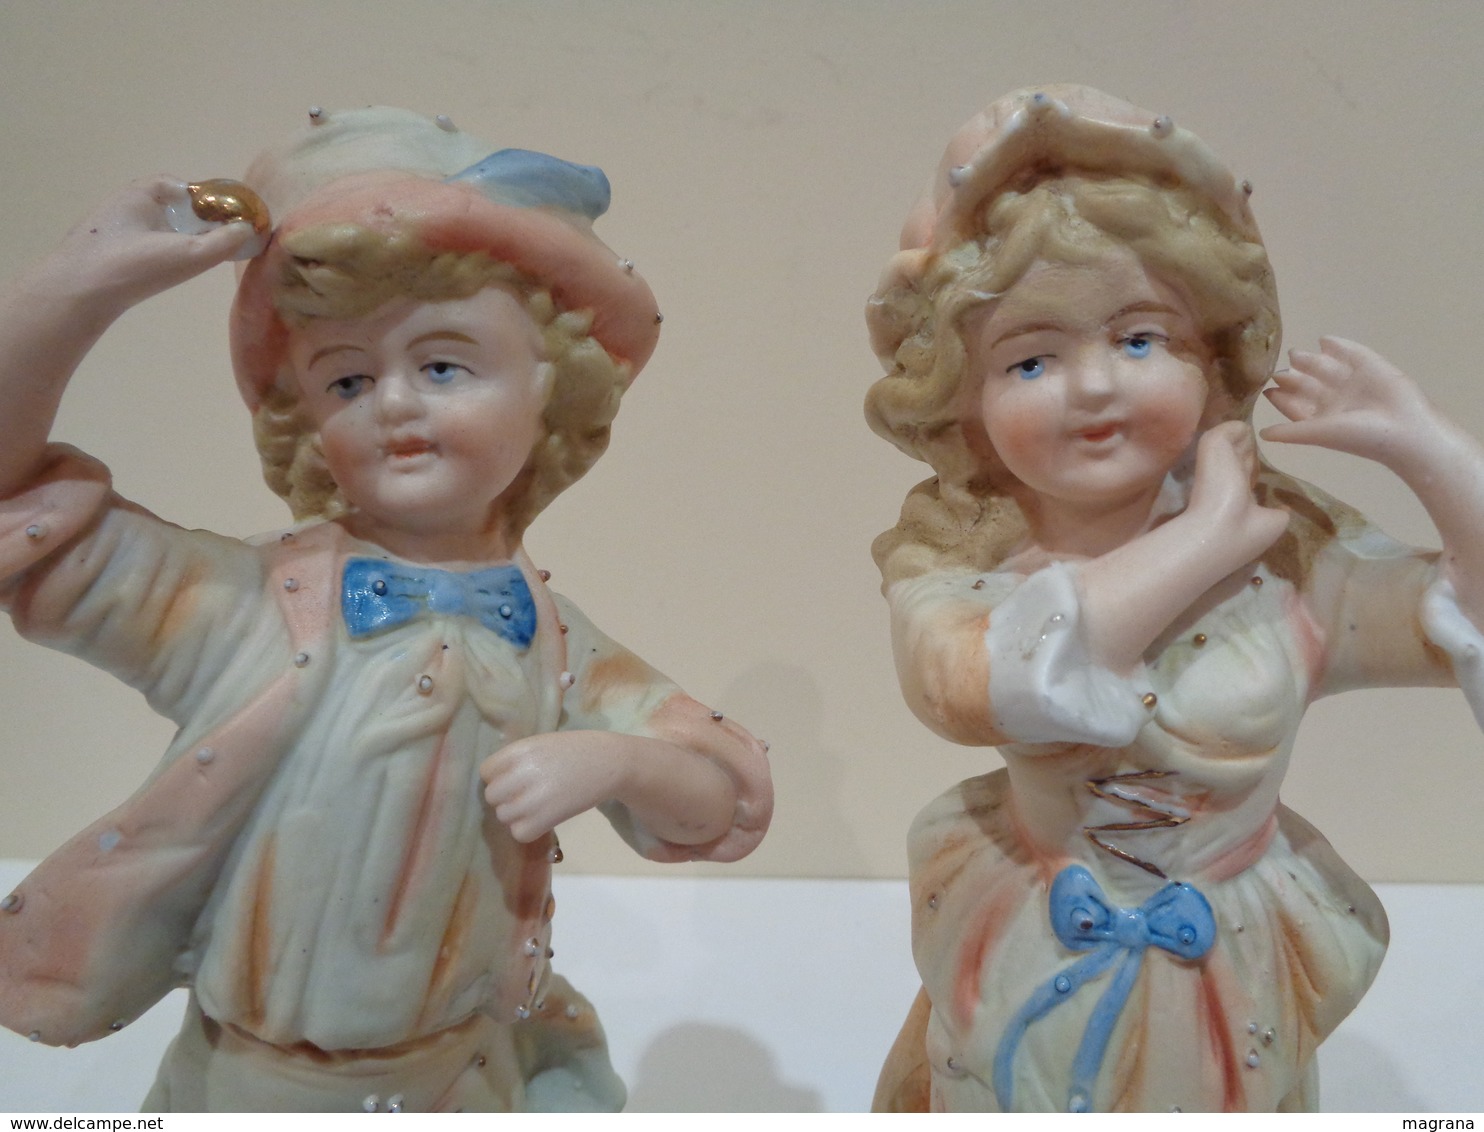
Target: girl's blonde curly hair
{"x": 964, "y": 517}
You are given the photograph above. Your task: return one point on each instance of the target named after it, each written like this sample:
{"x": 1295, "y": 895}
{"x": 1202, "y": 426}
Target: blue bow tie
{"x": 1176, "y": 919}
{"x": 376, "y": 595}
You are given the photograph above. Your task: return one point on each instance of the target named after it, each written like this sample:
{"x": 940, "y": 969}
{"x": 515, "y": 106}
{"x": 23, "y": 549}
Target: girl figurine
{"x": 383, "y": 711}
{"x": 1106, "y": 582}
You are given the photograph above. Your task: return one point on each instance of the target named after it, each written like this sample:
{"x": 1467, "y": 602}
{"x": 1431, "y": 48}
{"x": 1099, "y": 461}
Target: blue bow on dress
{"x": 376, "y": 595}
{"x": 1177, "y": 919}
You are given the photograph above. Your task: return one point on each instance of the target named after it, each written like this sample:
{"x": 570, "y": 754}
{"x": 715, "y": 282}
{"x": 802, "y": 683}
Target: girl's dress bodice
{"x": 1133, "y": 788}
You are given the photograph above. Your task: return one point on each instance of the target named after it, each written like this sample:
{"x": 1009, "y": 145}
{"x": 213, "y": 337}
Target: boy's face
{"x": 426, "y": 412}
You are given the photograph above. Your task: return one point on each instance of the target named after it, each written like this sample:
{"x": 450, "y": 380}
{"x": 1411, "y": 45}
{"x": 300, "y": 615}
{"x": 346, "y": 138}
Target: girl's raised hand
{"x": 1349, "y": 398}
{"x": 1221, "y": 494}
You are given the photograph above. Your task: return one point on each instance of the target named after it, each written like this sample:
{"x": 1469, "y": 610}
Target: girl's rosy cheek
{"x": 1165, "y": 426}
{"x": 1017, "y": 429}
{"x": 1173, "y": 424}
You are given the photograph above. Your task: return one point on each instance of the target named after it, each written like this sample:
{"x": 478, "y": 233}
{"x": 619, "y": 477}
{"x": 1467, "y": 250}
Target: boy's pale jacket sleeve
{"x": 614, "y": 690}
{"x": 167, "y": 611}
{"x": 98, "y": 932}
{"x": 66, "y": 495}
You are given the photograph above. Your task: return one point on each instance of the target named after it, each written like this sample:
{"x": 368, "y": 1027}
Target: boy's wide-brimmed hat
{"x": 391, "y": 169}
{"x": 1031, "y": 135}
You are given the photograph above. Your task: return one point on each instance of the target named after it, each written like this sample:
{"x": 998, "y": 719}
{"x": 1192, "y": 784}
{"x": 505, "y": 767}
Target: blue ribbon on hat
{"x": 377, "y": 595}
{"x": 529, "y": 179}
{"x": 1176, "y": 919}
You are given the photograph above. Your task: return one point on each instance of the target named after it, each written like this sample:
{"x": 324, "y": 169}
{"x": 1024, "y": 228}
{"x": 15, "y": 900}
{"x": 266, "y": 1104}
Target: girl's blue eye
{"x": 349, "y": 388}
{"x": 1138, "y": 345}
{"x": 1029, "y": 369}
{"x": 441, "y": 373}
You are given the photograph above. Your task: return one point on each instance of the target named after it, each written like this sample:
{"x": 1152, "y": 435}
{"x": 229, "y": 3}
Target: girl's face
{"x": 426, "y": 412}
{"x": 1093, "y": 380}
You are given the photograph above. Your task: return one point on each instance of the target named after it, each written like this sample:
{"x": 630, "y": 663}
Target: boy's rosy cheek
{"x": 337, "y": 449}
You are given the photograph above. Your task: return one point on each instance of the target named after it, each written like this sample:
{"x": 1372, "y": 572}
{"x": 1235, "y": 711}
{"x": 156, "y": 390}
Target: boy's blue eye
{"x": 349, "y": 388}
{"x": 1029, "y": 369}
{"x": 1138, "y": 345}
{"x": 441, "y": 373}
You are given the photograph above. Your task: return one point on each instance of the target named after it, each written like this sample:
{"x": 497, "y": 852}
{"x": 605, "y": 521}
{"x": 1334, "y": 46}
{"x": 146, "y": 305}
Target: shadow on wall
{"x": 699, "y": 1068}
{"x": 783, "y": 704}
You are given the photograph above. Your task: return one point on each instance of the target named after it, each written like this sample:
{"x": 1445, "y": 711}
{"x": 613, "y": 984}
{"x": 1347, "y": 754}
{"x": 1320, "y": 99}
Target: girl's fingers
{"x": 1292, "y": 404}
{"x": 1319, "y": 367}
{"x": 1349, "y": 353}
{"x": 1296, "y": 432}
{"x": 1292, "y": 383}
{"x": 1297, "y": 380}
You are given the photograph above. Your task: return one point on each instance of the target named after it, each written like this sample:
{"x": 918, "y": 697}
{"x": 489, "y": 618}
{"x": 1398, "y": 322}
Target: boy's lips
{"x": 1099, "y": 432}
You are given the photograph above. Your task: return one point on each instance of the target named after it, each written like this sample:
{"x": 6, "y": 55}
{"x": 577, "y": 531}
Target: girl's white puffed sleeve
{"x": 1044, "y": 685}
{"x": 1002, "y": 658}
{"x": 1386, "y": 617}
{"x": 1450, "y": 629}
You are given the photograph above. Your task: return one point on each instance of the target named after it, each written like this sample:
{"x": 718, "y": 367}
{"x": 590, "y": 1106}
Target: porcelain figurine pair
{"x": 384, "y": 713}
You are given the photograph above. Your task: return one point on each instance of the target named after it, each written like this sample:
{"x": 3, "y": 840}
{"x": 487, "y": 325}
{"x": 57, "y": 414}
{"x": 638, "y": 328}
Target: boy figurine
{"x": 383, "y": 712}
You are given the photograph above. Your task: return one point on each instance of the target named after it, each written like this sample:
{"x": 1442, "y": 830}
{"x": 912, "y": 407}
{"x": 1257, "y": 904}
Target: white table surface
{"x": 784, "y": 995}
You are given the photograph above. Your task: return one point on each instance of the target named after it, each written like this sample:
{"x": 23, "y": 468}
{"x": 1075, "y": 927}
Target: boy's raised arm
{"x": 53, "y": 313}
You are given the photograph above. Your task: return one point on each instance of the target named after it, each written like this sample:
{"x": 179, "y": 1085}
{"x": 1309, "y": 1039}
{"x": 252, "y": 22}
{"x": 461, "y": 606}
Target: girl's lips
{"x": 1100, "y": 433}
{"x": 413, "y": 447}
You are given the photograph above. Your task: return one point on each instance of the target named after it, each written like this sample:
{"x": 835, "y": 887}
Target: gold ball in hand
{"x": 221, "y": 201}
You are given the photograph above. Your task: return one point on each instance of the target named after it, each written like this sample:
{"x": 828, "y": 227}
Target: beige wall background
{"x": 763, "y": 155}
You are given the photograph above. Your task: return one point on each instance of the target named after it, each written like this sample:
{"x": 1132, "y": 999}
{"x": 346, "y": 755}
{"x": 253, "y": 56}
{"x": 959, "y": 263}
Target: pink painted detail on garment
{"x": 979, "y": 941}
{"x": 1308, "y": 634}
{"x": 1243, "y": 856}
{"x": 82, "y": 958}
{"x": 450, "y": 953}
{"x": 427, "y": 818}
{"x": 256, "y": 969}
{"x": 1218, "y": 1033}
{"x": 59, "y": 502}
{"x": 529, "y": 898}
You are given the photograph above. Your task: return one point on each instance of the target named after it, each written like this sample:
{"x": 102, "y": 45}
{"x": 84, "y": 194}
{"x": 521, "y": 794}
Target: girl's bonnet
{"x": 1027, "y": 136}
{"x": 396, "y": 170}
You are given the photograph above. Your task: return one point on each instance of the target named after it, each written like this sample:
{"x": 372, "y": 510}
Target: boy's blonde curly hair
{"x": 345, "y": 271}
